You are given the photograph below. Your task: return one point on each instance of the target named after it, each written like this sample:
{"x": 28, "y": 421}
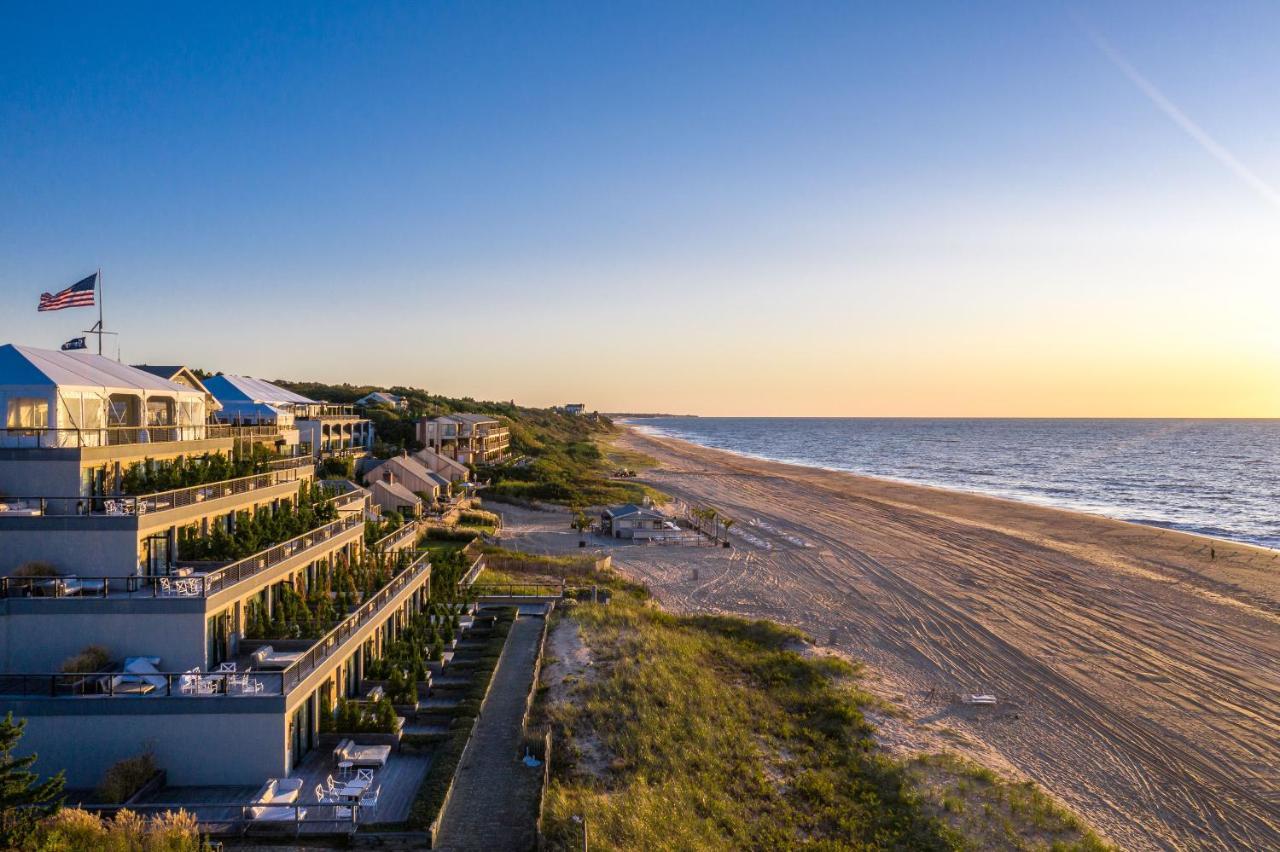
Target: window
{"x": 159, "y": 412}
{"x": 27, "y": 412}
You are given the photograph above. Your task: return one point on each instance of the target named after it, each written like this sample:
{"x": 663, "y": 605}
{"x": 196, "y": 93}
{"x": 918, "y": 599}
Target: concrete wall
{"x": 39, "y": 474}
{"x": 86, "y": 547}
{"x": 37, "y": 635}
{"x": 205, "y": 745}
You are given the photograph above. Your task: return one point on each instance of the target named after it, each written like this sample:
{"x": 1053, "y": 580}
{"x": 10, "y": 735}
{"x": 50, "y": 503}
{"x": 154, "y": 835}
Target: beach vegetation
{"x": 713, "y": 732}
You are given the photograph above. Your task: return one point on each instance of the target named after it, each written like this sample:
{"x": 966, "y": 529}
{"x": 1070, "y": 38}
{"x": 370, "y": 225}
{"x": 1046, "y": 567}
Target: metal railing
{"x": 329, "y": 644}
{"x": 283, "y": 471}
{"x": 398, "y": 536}
{"x": 235, "y": 819}
{"x": 112, "y": 436}
{"x": 519, "y": 590}
{"x": 192, "y": 684}
{"x": 236, "y": 572}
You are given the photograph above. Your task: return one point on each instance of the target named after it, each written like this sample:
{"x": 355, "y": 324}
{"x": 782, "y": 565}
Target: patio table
{"x": 354, "y": 789}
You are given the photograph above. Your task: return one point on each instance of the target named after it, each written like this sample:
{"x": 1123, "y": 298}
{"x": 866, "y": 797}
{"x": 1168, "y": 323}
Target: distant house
{"x": 451, "y": 470}
{"x": 386, "y": 400}
{"x": 467, "y": 438}
{"x": 573, "y": 408}
{"x": 180, "y": 375}
{"x": 411, "y": 474}
{"x": 391, "y": 496}
{"x": 632, "y": 521}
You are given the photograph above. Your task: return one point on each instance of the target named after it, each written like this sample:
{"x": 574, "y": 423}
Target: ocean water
{"x": 1214, "y": 477}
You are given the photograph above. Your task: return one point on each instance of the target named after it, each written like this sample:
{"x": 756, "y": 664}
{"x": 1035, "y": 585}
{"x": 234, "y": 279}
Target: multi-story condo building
{"x": 152, "y": 564}
{"x": 468, "y": 438}
{"x": 330, "y": 430}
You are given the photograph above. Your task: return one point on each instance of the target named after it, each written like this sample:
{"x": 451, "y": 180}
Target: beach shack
{"x": 632, "y": 521}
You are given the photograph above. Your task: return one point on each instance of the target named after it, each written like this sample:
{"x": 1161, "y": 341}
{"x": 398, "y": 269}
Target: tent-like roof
{"x": 26, "y": 366}
{"x": 230, "y": 389}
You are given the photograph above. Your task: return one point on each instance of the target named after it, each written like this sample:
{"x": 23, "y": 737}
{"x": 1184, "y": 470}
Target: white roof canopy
{"x": 28, "y": 367}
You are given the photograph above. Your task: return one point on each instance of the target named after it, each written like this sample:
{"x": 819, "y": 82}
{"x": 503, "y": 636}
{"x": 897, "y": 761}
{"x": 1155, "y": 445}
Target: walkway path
{"x": 495, "y": 796}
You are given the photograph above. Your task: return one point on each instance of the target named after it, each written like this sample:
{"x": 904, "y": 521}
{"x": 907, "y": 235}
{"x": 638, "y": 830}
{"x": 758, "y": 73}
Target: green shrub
{"x": 37, "y": 568}
{"x": 126, "y": 777}
{"x": 90, "y": 659}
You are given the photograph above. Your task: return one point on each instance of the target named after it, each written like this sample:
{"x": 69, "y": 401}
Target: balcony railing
{"x": 332, "y": 641}
{"x": 113, "y": 436}
{"x": 229, "y": 575}
{"x": 256, "y": 684}
{"x": 408, "y": 531}
{"x": 283, "y": 471}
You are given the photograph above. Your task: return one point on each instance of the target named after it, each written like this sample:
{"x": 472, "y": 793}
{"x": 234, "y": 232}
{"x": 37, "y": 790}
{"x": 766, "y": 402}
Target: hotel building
{"x": 171, "y": 545}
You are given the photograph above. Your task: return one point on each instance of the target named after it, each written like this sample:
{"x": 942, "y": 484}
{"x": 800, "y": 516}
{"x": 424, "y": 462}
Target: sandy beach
{"x": 1137, "y": 673}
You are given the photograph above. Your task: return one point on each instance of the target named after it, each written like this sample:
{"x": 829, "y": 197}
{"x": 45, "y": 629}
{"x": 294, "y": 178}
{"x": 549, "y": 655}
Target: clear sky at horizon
{"x": 991, "y": 209}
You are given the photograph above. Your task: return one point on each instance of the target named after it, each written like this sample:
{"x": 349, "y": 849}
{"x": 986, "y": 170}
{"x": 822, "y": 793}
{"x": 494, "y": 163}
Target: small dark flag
{"x": 78, "y": 295}
{"x": 74, "y": 343}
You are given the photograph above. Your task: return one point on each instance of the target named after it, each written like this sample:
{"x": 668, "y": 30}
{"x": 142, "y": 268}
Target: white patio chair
{"x": 165, "y": 588}
{"x": 253, "y": 687}
{"x": 370, "y": 798}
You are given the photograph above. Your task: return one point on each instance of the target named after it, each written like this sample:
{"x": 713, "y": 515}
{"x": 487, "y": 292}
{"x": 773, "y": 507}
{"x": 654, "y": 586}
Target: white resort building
{"x": 151, "y": 556}
{"x": 330, "y": 430}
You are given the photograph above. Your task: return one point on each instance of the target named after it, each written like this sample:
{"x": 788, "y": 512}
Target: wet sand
{"x": 1139, "y": 678}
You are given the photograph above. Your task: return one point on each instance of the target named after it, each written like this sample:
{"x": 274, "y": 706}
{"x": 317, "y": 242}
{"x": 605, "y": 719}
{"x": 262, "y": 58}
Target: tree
{"x": 24, "y": 799}
{"x": 581, "y": 523}
{"x": 726, "y": 523}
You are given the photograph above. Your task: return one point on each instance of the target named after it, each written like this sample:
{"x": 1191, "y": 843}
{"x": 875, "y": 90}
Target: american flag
{"x": 78, "y": 295}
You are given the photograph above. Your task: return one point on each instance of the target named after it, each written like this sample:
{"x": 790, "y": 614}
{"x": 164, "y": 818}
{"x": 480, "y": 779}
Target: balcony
{"x": 281, "y": 471}
{"x": 232, "y": 685}
{"x": 194, "y": 585}
{"x": 115, "y": 436}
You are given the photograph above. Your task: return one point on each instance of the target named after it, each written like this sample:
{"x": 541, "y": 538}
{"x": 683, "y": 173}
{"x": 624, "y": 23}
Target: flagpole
{"x": 99, "y": 310}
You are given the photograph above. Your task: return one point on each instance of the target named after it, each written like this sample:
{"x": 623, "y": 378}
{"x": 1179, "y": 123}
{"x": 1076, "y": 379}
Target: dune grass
{"x": 716, "y": 733}
{"x": 706, "y": 732}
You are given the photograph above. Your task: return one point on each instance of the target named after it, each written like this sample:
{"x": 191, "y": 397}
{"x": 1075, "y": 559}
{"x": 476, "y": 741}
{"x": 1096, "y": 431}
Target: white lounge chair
{"x": 273, "y": 797}
{"x": 368, "y": 755}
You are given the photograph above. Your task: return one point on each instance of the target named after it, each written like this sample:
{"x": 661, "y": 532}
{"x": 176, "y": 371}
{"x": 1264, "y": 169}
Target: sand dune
{"x": 1139, "y": 677}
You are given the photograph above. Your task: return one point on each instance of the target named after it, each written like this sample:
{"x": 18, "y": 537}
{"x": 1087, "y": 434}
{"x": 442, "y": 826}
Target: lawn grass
{"x": 707, "y": 732}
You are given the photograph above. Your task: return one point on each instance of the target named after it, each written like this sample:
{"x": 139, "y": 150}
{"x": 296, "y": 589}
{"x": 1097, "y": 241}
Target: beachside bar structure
{"x": 147, "y": 559}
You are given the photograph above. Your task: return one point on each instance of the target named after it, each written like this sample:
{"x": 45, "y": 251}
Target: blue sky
{"x": 769, "y": 208}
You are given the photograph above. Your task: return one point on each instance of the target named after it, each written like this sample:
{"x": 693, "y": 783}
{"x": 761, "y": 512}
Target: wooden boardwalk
{"x": 495, "y": 796}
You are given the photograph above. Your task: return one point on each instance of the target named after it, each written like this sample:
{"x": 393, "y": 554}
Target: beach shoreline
{"x": 1137, "y": 666}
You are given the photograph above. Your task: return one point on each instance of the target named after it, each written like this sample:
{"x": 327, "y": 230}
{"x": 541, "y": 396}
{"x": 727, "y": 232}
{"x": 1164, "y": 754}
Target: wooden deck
{"x": 221, "y": 810}
{"x": 398, "y": 780}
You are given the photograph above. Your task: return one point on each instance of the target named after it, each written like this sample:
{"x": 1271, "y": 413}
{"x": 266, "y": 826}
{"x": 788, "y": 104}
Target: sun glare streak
{"x": 1214, "y": 148}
